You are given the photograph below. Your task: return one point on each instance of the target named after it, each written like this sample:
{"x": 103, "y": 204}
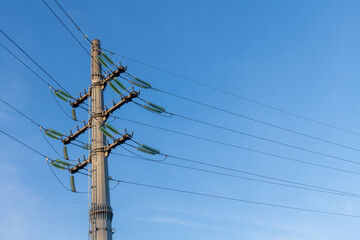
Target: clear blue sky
{"x": 301, "y": 56}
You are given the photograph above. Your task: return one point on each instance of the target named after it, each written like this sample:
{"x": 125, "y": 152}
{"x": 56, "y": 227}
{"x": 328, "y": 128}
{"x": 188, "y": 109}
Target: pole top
{"x": 96, "y": 42}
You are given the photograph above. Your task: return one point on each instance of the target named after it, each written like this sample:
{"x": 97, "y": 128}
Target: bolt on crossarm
{"x": 100, "y": 210}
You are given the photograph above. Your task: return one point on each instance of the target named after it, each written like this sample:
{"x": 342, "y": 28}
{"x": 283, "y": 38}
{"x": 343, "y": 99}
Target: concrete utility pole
{"x": 100, "y": 211}
{"x": 100, "y": 215}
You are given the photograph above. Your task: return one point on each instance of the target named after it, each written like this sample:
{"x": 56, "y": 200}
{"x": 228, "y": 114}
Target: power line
{"x": 235, "y": 95}
{"x": 20, "y": 113}
{"x": 57, "y": 3}
{"x": 43, "y": 155}
{"x": 313, "y": 188}
{"x": 37, "y": 124}
{"x": 240, "y": 200}
{"x": 258, "y": 137}
{"x": 77, "y": 27}
{"x": 254, "y": 136}
{"x": 250, "y": 173}
{"x": 77, "y": 40}
{"x": 58, "y": 179}
{"x": 256, "y": 120}
{"x": 24, "y": 144}
{"x": 230, "y": 144}
{"x": 47, "y": 83}
{"x": 42, "y": 69}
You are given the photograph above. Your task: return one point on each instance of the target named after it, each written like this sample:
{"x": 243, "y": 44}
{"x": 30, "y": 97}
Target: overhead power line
{"x": 256, "y": 120}
{"x": 42, "y": 79}
{"x": 24, "y": 144}
{"x": 20, "y": 113}
{"x": 72, "y": 20}
{"x": 255, "y": 136}
{"x": 313, "y": 188}
{"x": 236, "y": 95}
{"x": 230, "y": 144}
{"x": 42, "y": 69}
{"x": 46, "y": 82}
{"x": 249, "y": 173}
{"x": 77, "y": 40}
{"x": 43, "y": 155}
{"x": 240, "y": 200}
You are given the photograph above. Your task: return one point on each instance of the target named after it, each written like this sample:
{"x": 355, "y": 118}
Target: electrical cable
{"x": 227, "y": 144}
{"x": 42, "y": 79}
{"x": 77, "y": 40}
{"x": 24, "y": 144}
{"x": 242, "y": 116}
{"x": 253, "y": 174}
{"x": 236, "y": 95}
{"x": 259, "y": 121}
{"x": 240, "y": 200}
{"x": 37, "y": 124}
{"x": 78, "y": 28}
{"x": 248, "y": 134}
{"x": 259, "y": 137}
{"x": 62, "y": 109}
{"x": 47, "y": 83}
{"x": 57, "y": 178}
{"x": 34, "y": 61}
{"x": 43, "y": 155}
{"x": 313, "y": 188}
{"x": 20, "y": 113}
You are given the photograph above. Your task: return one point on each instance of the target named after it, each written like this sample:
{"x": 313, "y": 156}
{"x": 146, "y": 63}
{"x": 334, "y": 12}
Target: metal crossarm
{"x": 73, "y": 136}
{"x": 113, "y": 75}
{"x": 117, "y": 142}
{"x": 80, "y": 100}
{"x": 79, "y": 166}
{"x": 123, "y": 101}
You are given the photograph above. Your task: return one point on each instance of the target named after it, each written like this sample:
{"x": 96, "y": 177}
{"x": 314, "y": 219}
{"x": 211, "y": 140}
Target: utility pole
{"x": 100, "y": 211}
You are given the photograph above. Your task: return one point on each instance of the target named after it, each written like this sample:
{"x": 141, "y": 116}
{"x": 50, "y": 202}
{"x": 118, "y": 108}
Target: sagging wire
{"x": 53, "y": 162}
{"x": 41, "y": 130}
{"x": 52, "y": 93}
{"x": 42, "y": 79}
{"x": 57, "y": 178}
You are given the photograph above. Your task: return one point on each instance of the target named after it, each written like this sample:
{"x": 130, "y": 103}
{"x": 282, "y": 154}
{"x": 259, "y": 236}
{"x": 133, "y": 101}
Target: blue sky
{"x": 301, "y": 56}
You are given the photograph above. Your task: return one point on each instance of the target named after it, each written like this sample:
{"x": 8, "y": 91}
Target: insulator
{"x": 156, "y": 106}
{"x": 104, "y": 131}
{"x": 64, "y": 93}
{"x": 57, "y": 165}
{"x": 51, "y": 135}
{"x": 60, "y": 96}
{"x": 143, "y": 82}
{"x": 107, "y": 58}
{"x": 63, "y": 162}
{"x": 111, "y": 128}
{"x": 145, "y": 151}
{"x": 55, "y": 132}
{"x": 66, "y": 156}
{"x": 152, "y": 109}
{"x": 122, "y": 86}
{"x": 102, "y": 61}
{"x": 73, "y": 113}
{"x": 72, "y": 183}
{"x": 150, "y": 149}
{"x": 139, "y": 85}
{"x": 114, "y": 88}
